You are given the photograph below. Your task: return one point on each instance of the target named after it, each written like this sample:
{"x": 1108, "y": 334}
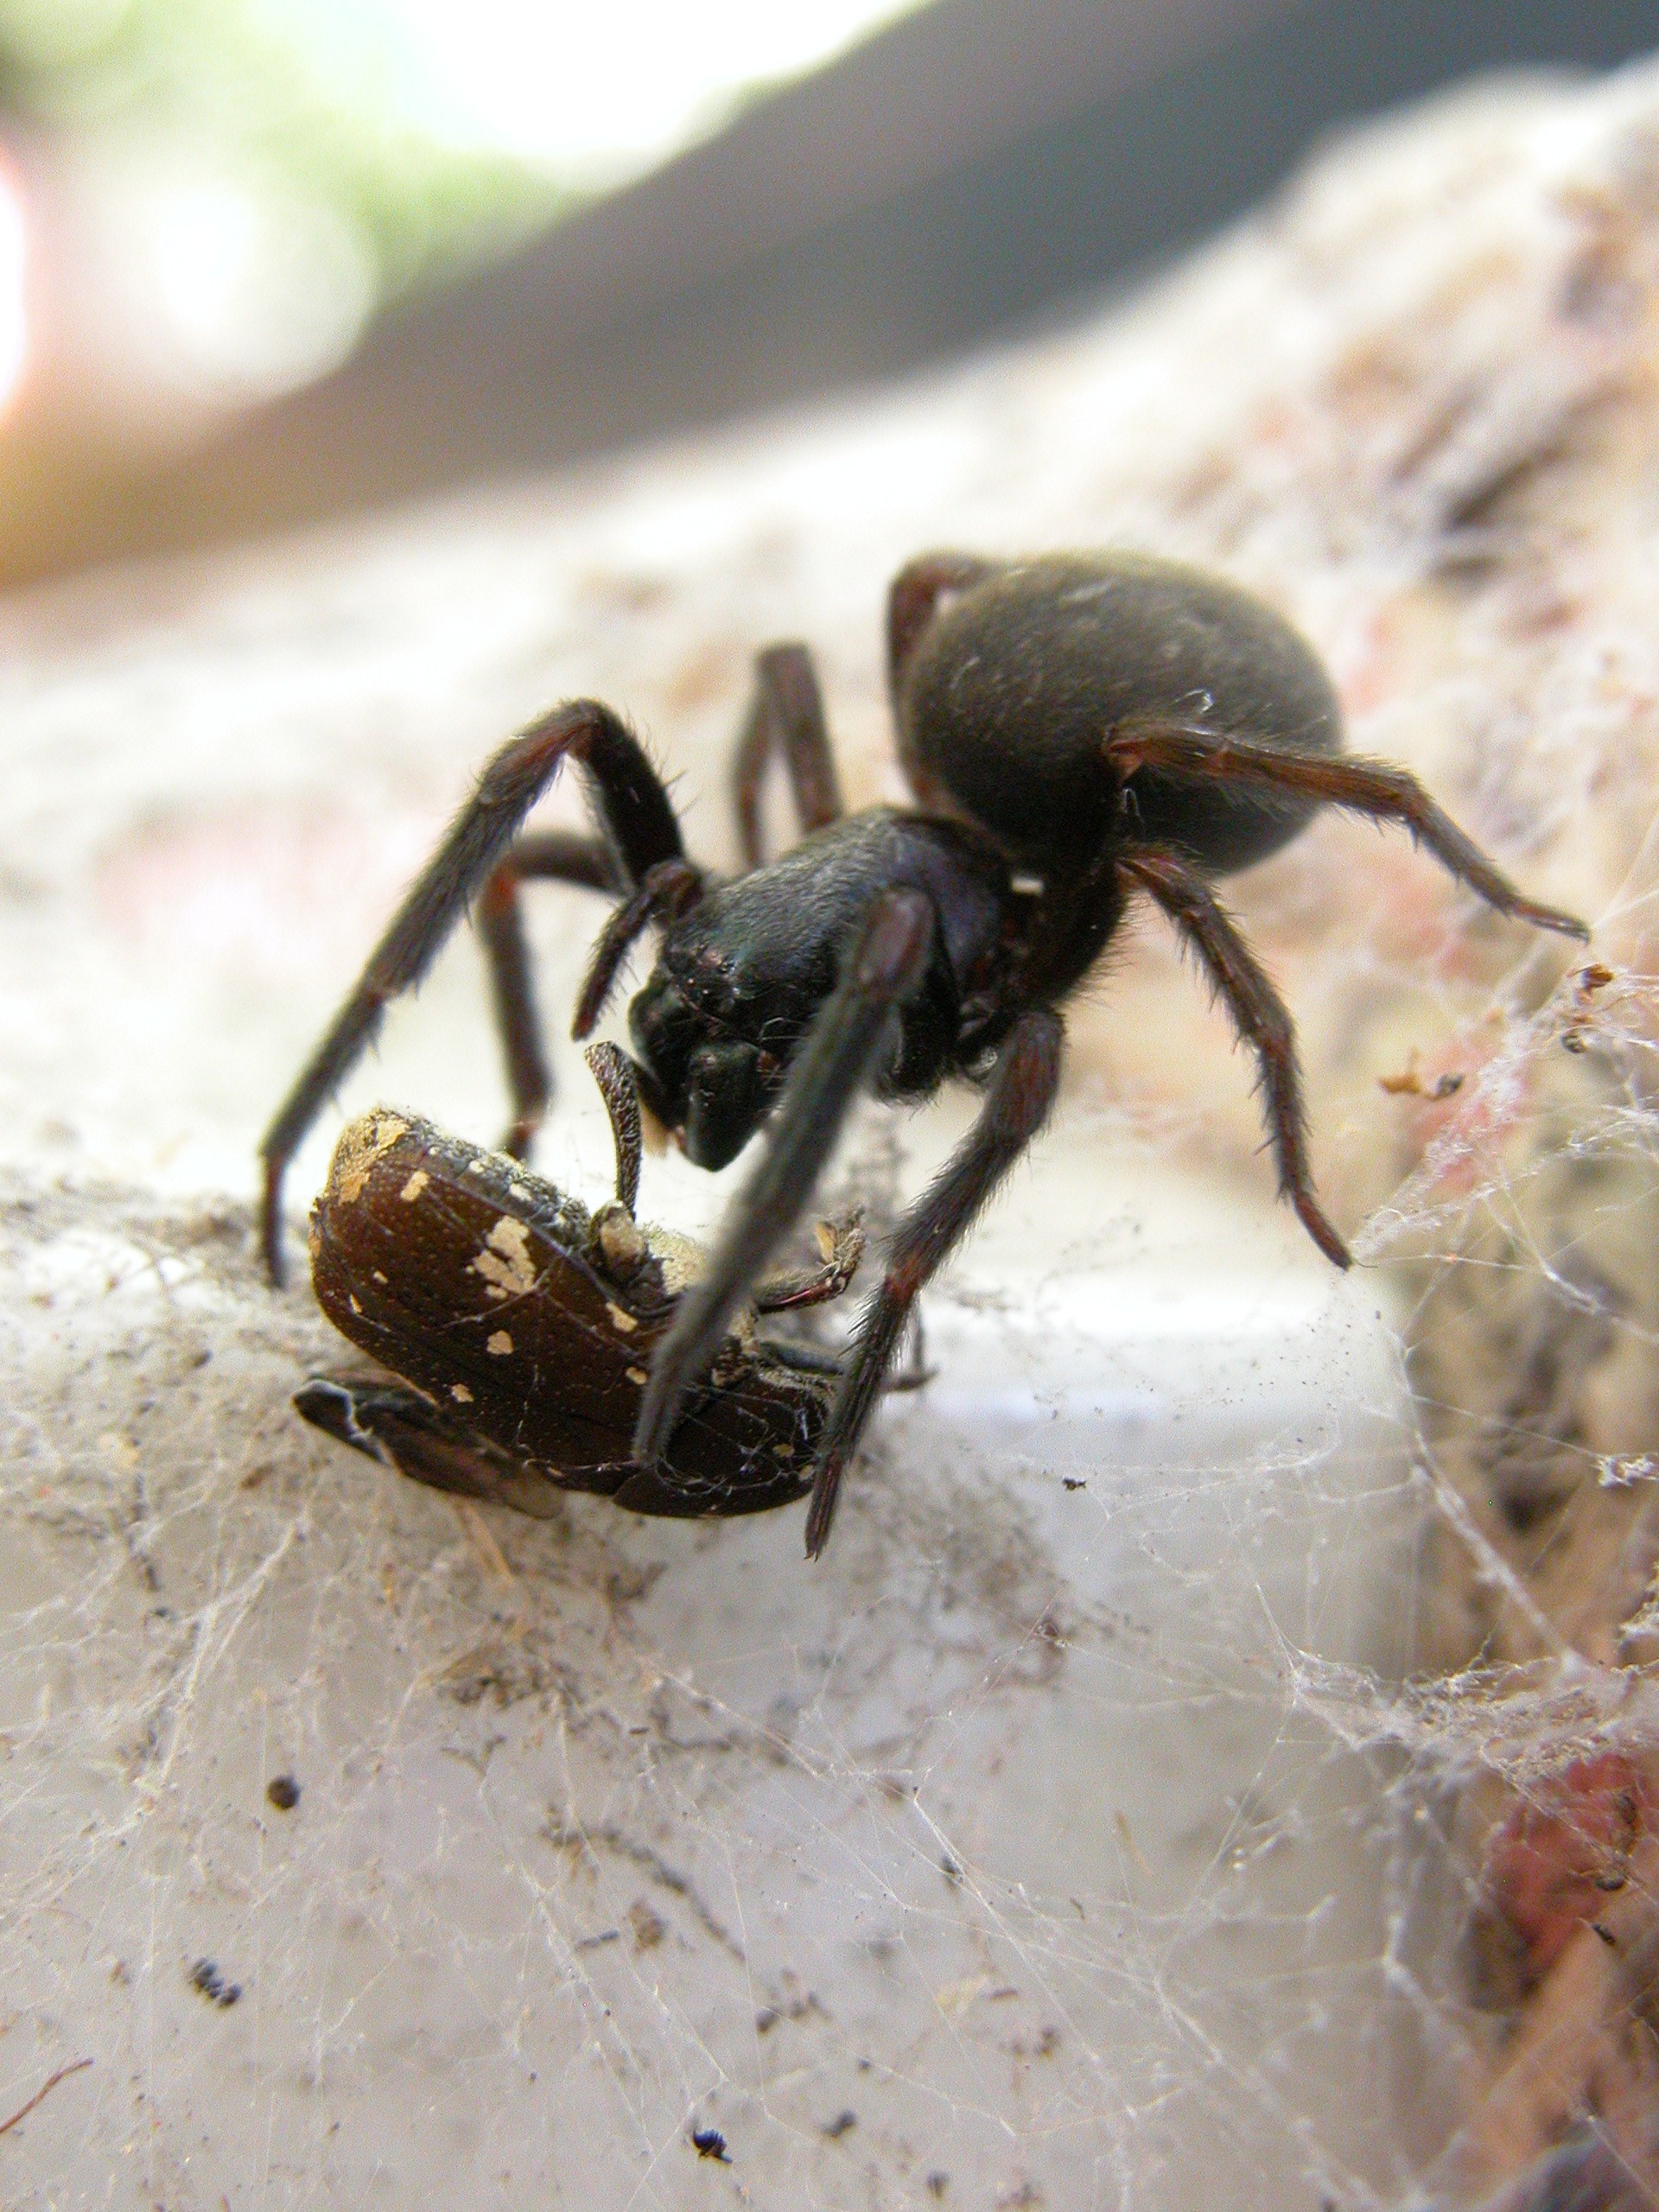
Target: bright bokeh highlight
{"x": 598, "y": 93}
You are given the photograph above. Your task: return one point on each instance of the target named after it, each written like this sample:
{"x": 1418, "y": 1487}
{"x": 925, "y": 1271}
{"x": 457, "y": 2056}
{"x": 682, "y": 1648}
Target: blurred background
{"x": 266, "y": 262}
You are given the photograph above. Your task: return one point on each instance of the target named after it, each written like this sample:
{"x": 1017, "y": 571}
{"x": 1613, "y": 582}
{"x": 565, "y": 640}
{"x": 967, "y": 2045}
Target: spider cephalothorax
{"x": 1076, "y": 729}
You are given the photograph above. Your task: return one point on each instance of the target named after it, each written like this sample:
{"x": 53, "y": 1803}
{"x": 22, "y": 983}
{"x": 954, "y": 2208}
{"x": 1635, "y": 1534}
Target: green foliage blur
{"x": 306, "y": 95}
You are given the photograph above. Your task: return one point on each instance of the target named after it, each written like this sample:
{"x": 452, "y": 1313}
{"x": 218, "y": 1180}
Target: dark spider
{"x": 1077, "y": 729}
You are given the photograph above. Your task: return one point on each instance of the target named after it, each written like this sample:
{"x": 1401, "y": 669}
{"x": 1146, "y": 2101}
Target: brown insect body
{"x": 521, "y": 1326}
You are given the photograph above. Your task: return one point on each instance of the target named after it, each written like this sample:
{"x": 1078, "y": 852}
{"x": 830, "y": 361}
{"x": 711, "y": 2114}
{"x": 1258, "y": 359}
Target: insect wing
{"x": 468, "y": 1276}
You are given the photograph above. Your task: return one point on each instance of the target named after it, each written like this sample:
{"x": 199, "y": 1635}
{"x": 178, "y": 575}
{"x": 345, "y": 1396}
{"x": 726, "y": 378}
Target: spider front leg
{"x": 785, "y": 716}
{"x": 640, "y": 831}
{"x": 1363, "y": 786}
{"x": 1259, "y": 1015}
{"x": 1022, "y": 1091}
{"x": 883, "y": 968}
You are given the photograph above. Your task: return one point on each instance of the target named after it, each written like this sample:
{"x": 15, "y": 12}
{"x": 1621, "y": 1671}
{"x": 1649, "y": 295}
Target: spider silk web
{"x": 1106, "y": 1821}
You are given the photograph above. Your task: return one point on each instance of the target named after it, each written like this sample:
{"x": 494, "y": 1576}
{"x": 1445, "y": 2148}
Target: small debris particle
{"x": 416, "y": 1183}
{"x": 937, "y": 2183}
{"x": 284, "y": 1792}
{"x": 619, "y": 1320}
{"x": 1410, "y": 1084}
{"x": 500, "y": 1344}
{"x": 1075, "y": 1482}
{"x": 638, "y": 1377}
{"x": 766, "y": 2019}
{"x": 648, "y": 1929}
{"x": 461, "y": 1394}
{"x": 206, "y": 1977}
{"x": 709, "y": 2143}
{"x": 843, "y": 2124}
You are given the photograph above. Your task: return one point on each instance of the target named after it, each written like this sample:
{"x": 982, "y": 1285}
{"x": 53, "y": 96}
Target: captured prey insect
{"x": 1080, "y": 731}
{"x": 518, "y": 1328}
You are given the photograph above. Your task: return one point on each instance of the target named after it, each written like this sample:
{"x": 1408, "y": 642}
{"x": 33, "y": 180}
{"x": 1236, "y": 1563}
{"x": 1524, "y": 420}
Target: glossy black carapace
{"x": 518, "y": 1329}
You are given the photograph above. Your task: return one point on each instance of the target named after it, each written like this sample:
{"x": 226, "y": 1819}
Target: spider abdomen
{"x": 1010, "y": 694}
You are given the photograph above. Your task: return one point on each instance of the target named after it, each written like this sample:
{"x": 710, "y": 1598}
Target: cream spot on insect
{"x": 500, "y": 1344}
{"x": 461, "y": 1394}
{"x": 378, "y": 1276}
{"x": 625, "y": 1322}
{"x": 783, "y": 1450}
{"x": 359, "y": 1147}
{"x": 351, "y": 1300}
{"x": 505, "y": 1261}
{"x": 416, "y": 1183}
{"x": 637, "y": 1375}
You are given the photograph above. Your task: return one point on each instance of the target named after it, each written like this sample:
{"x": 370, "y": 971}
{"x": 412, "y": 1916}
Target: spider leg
{"x": 550, "y": 856}
{"x": 613, "y": 1071}
{"x": 916, "y": 591}
{"x": 883, "y": 968}
{"x": 1259, "y": 1015}
{"x": 640, "y": 830}
{"x": 1364, "y": 787}
{"x": 1022, "y": 1089}
{"x": 786, "y": 715}
{"x": 663, "y": 894}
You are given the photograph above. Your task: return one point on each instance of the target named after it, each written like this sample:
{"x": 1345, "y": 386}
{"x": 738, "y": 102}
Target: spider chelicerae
{"x": 1077, "y": 729}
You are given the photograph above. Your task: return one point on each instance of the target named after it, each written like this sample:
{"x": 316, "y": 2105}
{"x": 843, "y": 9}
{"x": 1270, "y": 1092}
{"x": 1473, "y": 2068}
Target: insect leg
{"x": 843, "y": 1244}
{"x": 1017, "y": 1103}
{"x": 392, "y": 1423}
{"x": 883, "y": 968}
{"x": 613, "y": 1071}
{"x": 1259, "y": 1015}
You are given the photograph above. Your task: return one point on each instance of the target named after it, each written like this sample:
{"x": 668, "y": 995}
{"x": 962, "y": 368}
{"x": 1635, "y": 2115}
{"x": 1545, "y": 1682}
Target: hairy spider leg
{"x": 549, "y": 855}
{"x": 613, "y": 1071}
{"x": 786, "y": 716}
{"x": 1022, "y": 1093}
{"x": 1259, "y": 1015}
{"x": 640, "y": 828}
{"x": 883, "y": 968}
{"x": 916, "y": 591}
{"x": 1363, "y": 786}
{"x": 662, "y": 895}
